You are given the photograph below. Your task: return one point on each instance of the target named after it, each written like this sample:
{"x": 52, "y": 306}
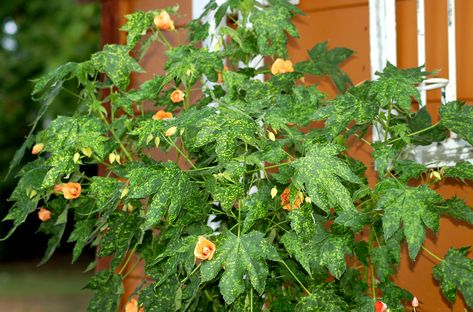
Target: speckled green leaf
{"x": 256, "y": 206}
{"x": 137, "y": 25}
{"x": 322, "y": 172}
{"x": 413, "y": 206}
{"x": 322, "y": 299}
{"x": 117, "y": 64}
{"x": 81, "y": 235}
{"x": 397, "y": 86}
{"x": 271, "y": 26}
{"x": 225, "y": 192}
{"x": 326, "y": 62}
{"x": 106, "y": 192}
{"x": 225, "y": 130}
{"x": 107, "y": 288}
{"x": 187, "y": 63}
{"x": 462, "y": 170}
{"x": 458, "y": 117}
{"x": 454, "y": 273}
{"x": 160, "y": 298}
{"x": 408, "y": 169}
{"x": 458, "y": 209}
{"x": 420, "y": 121}
{"x": 122, "y": 229}
{"x": 239, "y": 256}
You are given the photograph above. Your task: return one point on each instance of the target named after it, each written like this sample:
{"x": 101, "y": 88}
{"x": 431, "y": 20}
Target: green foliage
{"x": 454, "y": 273}
{"x": 240, "y": 255}
{"x": 325, "y": 62}
{"x": 458, "y": 118}
{"x": 413, "y": 207}
{"x": 321, "y": 171}
{"x": 291, "y": 219}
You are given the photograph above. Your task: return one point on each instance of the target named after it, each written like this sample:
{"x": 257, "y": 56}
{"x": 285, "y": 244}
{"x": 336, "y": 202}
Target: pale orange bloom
{"x": 71, "y": 190}
{"x": 57, "y": 188}
{"x": 204, "y": 249}
{"x": 163, "y": 21}
{"x": 177, "y": 96}
{"x": 162, "y": 115}
{"x": 37, "y": 148}
{"x": 286, "y": 202}
{"x": 132, "y": 306}
{"x": 44, "y": 214}
{"x": 281, "y": 66}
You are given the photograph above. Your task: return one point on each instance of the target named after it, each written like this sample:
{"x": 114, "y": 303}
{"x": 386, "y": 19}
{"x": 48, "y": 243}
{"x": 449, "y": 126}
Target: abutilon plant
{"x": 287, "y": 206}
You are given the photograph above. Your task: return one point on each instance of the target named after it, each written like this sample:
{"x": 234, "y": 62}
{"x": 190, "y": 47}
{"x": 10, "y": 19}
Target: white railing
{"x": 383, "y": 45}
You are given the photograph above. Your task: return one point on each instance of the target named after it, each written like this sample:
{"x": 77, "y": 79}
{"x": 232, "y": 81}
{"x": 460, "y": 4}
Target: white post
{"x": 451, "y": 90}
{"x": 421, "y": 46}
{"x": 383, "y": 43}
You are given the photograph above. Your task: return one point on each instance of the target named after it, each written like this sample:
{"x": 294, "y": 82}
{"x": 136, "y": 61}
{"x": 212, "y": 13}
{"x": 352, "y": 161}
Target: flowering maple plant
{"x": 263, "y": 215}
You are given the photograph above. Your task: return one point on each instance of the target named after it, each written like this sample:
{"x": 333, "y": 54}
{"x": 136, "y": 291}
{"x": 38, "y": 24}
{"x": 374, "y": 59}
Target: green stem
{"x": 133, "y": 267}
{"x": 359, "y": 137}
{"x": 417, "y": 132}
{"x": 170, "y": 142}
{"x": 164, "y": 40}
{"x": 432, "y": 254}
{"x": 295, "y": 277}
{"x": 117, "y": 139}
{"x": 270, "y": 167}
{"x": 131, "y": 253}
{"x": 191, "y": 273}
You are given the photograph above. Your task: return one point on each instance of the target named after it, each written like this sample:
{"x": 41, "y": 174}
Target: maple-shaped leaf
{"x": 458, "y": 117}
{"x": 116, "y": 62}
{"x": 186, "y": 63}
{"x": 414, "y": 208}
{"x": 394, "y": 296}
{"x": 397, "y": 86}
{"x": 239, "y": 256}
{"x": 408, "y": 169}
{"x": 107, "y": 288}
{"x": 137, "y": 25}
{"x": 81, "y": 235}
{"x": 454, "y": 273}
{"x": 225, "y": 130}
{"x": 322, "y": 173}
{"x": 326, "y": 62}
{"x": 271, "y": 26}
{"x": 162, "y": 297}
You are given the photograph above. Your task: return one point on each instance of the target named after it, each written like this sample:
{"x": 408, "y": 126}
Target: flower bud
{"x": 415, "y": 302}
{"x": 157, "y": 140}
{"x": 271, "y": 136}
{"x": 44, "y": 214}
{"x": 37, "y": 148}
{"x": 308, "y": 200}
{"x": 87, "y": 151}
{"x": 76, "y": 158}
{"x": 274, "y": 192}
{"x": 149, "y": 138}
{"x": 171, "y": 131}
{"x": 112, "y": 157}
{"x": 124, "y": 192}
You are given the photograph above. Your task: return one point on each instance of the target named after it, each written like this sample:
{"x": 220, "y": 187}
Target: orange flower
{"x": 163, "y": 21}
{"x": 281, "y": 66}
{"x": 162, "y": 115}
{"x": 286, "y": 202}
{"x": 205, "y": 249}
{"x": 37, "y": 148}
{"x": 44, "y": 214}
{"x": 71, "y": 190}
{"x": 177, "y": 96}
{"x": 132, "y": 306}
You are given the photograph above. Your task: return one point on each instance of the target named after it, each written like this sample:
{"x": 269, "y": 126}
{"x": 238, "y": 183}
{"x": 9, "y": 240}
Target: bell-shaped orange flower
{"x": 281, "y": 66}
{"x": 37, "y": 148}
{"x": 163, "y": 21}
{"x": 44, "y": 214}
{"x": 57, "y": 188}
{"x": 162, "y": 115}
{"x": 286, "y": 201}
{"x": 177, "y": 96}
{"x": 132, "y": 306}
{"x": 204, "y": 249}
{"x": 71, "y": 190}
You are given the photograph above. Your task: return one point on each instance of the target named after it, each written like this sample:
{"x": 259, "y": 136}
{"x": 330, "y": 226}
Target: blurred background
{"x": 35, "y": 37}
